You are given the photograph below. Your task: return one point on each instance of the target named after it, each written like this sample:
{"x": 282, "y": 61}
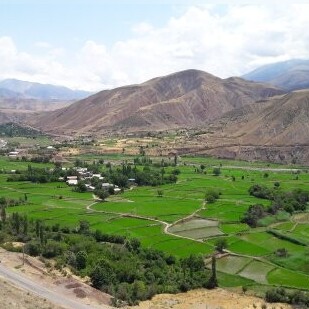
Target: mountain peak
{"x": 182, "y": 99}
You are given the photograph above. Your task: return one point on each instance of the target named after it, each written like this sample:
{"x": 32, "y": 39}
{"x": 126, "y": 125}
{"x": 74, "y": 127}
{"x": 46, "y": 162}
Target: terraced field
{"x": 179, "y": 222}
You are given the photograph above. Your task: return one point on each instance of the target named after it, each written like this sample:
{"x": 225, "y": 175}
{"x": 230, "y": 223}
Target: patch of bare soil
{"x": 207, "y": 299}
{"x": 12, "y": 297}
{"x": 63, "y": 282}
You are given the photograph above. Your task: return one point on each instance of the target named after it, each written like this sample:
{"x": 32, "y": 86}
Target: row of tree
{"x": 116, "y": 264}
{"x": 290, "y": 201}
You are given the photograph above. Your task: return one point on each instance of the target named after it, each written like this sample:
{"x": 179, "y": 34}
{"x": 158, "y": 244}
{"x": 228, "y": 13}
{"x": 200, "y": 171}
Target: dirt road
{"x": 35, "y": 288}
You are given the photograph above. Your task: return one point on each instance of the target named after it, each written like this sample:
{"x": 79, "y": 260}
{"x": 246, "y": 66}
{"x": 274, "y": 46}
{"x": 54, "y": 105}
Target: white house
{"x": 72, "y": 182}
{"x": 107, "y": 185}
{"x": 98, "y": 176}
{"x": 117, "y": 190}
{"x": 89, "y": 187}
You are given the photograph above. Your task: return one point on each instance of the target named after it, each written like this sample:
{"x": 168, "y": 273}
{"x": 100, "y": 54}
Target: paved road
{"x": 35, "y": 288}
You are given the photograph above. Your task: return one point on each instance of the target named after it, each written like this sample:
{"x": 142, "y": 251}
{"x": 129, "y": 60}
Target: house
{"x": 117, "y": 190}
{"x": 98, "y": 176}
{"x": 71, "y": 177}
{"x": 107, "y": 185}
{"x": 89, "y": 187}
{"x": 72, "y": 182}
{"x": 13, "y": 154}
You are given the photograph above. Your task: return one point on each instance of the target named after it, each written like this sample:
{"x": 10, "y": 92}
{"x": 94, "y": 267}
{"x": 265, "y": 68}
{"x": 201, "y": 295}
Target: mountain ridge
{"x": 39, "y": 91}
{"x": 289, "y": 75}
{"x": 185, "y": 98}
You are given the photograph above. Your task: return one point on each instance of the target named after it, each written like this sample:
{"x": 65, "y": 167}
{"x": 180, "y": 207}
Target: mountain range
{"x": 260, "y": 116}
{"x": 17, "y": 89}
{"x": 184, "y": 99}
{"x": 288, "y": 75}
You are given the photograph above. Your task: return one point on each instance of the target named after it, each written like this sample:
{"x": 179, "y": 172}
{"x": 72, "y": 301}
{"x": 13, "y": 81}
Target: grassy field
{"x": 141, "y": 213}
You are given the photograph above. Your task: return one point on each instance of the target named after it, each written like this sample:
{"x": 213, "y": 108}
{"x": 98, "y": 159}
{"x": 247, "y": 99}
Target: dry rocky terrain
{"x": 63, "y": 284}
{"x": 207, "y": 299}
{"x": 12, "y": 297}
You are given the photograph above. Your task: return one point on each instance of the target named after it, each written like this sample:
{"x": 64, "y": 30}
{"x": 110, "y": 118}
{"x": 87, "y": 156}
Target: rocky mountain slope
{"x": 288, "y": 75}
{"x": 187, "y": 98}
{"x": 276, "y": 130}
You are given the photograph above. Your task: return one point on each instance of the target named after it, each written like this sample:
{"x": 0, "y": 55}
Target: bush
{"x": 212, "y": 195}
{"x": 33, "y": 248}
{"x": 216, "y": 171}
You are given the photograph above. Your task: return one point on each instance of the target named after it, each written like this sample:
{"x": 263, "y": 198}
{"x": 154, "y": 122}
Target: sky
{"x": 102, "y": 44}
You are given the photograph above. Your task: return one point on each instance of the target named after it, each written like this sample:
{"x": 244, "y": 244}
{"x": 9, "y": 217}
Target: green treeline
{"x": 115, "y": 264}
{"x": 288, "y": 201}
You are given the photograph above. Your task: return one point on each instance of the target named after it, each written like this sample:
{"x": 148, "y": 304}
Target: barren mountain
{"x": 187, "y": 98}
{"x": 276, "y": 130}
{"x": 17, "y": 109}
{"x": 289, "y": 75}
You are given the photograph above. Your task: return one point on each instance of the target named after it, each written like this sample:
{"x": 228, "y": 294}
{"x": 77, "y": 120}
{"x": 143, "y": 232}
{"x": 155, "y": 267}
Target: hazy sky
{"x": 98, "y": 44}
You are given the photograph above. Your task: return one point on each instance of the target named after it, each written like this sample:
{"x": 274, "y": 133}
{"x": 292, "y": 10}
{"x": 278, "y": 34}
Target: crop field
{"x": 232, "y": 264}
{"x": 256, "y": 271}
{"x": 196, "y": 228}
{"x": 179, "y": 221}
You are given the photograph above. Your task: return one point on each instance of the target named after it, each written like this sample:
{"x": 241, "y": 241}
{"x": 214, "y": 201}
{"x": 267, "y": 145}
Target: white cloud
{"x": 42, "y": 44}
{"x": 224, "y": 42}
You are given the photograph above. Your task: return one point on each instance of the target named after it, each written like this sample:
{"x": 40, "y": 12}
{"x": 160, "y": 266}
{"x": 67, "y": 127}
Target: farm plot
{"x": 232, "y": 264}
{"x": 288, "y": 278}
{"x": 256, "y": 271}
{"x": 168, "y": 209}
{"x": 233, "y": 228}
{"x": 301, "y": 218}
{"x": 196, "y": 228}
{"x": 270, "y": 242}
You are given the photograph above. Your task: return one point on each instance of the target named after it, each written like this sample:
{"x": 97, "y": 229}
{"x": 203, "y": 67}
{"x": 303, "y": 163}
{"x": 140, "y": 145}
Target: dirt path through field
{"x": 166, "y": 225}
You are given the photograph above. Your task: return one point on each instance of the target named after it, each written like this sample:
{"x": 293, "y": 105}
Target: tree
{"x": 221, "y": 244}
{"x": 83, "y": 227}
{"x": 33, "y": 248}
{"x": 101, "y": 194}
{"x": 41, "y": 234}
{"x": 81, "y": 187}
{"x": 216, "y": 171}
{"x": 253, "y": 215}
{"x": 81, "y": 260}
{"x": 213, "y": 282}
{"x": 211, "y": 195}
{"x": 3, "y": 213}
{"x": 102, "y": 275}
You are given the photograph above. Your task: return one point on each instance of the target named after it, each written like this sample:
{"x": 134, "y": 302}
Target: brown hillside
{"x": 282, "y": 121}
{"x": 187, "y": 98}
{"x": 276, "y": 130}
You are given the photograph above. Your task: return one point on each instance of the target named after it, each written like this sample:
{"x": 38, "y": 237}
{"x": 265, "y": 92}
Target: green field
{"x": 194, "y": 227}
